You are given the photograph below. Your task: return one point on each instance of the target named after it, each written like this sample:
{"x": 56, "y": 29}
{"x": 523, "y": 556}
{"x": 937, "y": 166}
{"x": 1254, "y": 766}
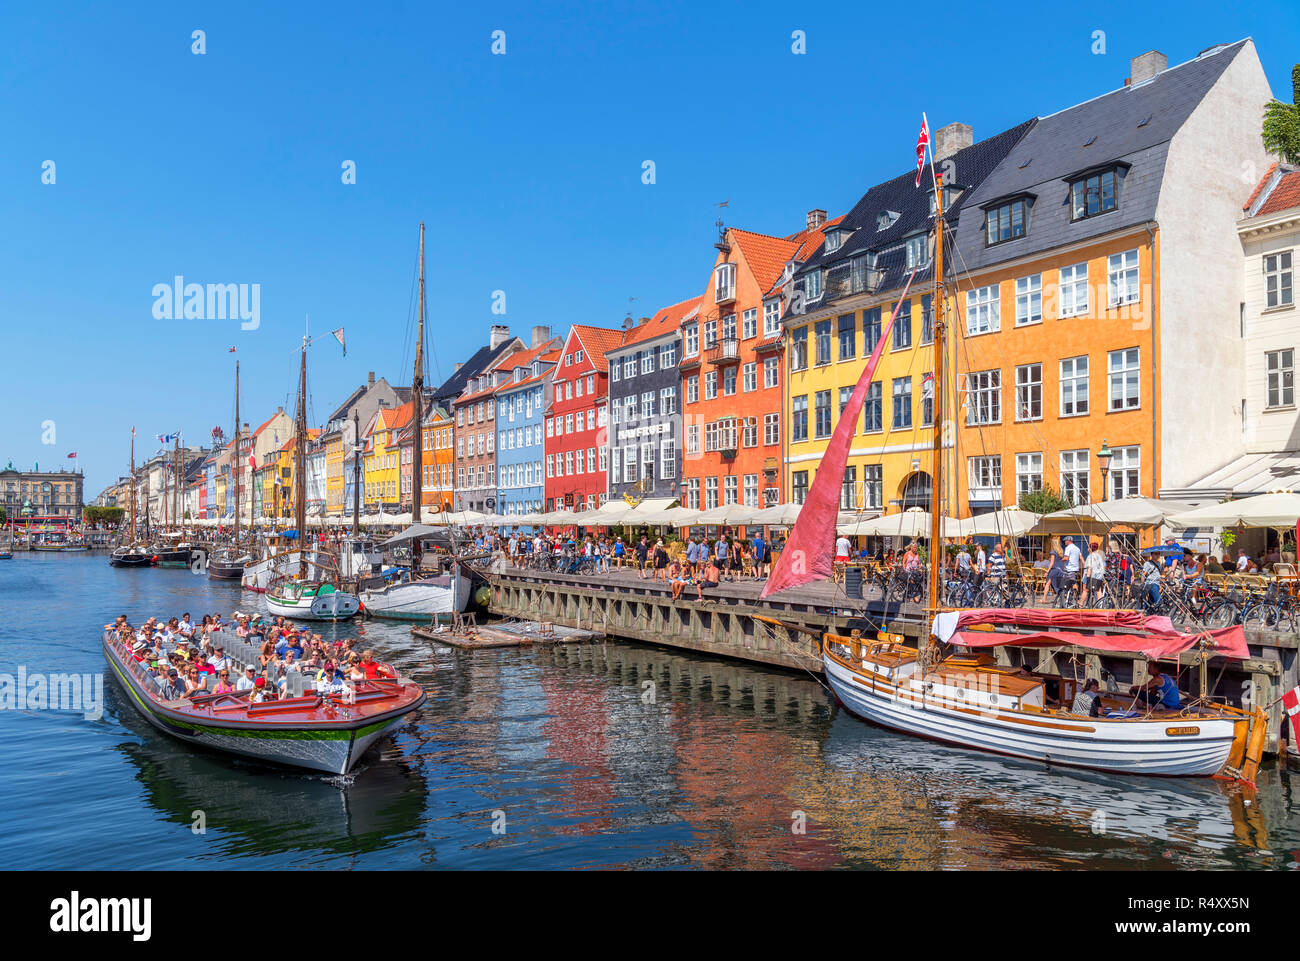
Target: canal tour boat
{"x": 962, "y": 696}
{"x": 326, "y": 733}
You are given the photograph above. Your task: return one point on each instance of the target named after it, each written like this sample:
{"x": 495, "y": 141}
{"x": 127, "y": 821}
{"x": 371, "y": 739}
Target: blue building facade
{"x": 521, "y": 402}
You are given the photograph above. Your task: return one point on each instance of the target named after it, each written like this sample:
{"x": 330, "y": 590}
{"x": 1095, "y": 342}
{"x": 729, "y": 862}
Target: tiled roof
{"x": 551, "y": 357}
{"x": 766, "y": 256}
{"x": 1284, "y": 195}
{"x": 665, "y": 321}
{"x": 598, "y": 342}
{"x": 480, "y": 361}
{"x": 267, "y": 423}
{"x": 1259, "y": 188}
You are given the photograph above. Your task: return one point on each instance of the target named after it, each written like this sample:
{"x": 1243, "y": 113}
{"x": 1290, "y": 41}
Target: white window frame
{"x": 1279, "y": 279}
{"x": 1072, "y": 378}
{"x": 1124, "y": 370}
{"x": 1073, "y": 290}
{"x": 1029, "y": 300}
{"x": 983, "y": 310}
{"x": 1123, "y": 279}
{"x": 1279, "y": 378}
{"x": 1028, "y": 391}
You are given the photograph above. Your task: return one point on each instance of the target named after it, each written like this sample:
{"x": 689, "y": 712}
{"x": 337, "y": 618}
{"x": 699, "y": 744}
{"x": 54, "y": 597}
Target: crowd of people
{"x": 184, "y": 658}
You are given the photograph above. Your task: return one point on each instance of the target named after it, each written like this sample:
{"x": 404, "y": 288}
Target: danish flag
{"x": 1291, "y": 701}
{"x": 922, "y": 141}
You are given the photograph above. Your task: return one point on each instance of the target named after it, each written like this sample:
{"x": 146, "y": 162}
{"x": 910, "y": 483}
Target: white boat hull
{"x": 326, "y": 607}
{"x": 419, "y": 600}
{"x": 1133, "y": 746}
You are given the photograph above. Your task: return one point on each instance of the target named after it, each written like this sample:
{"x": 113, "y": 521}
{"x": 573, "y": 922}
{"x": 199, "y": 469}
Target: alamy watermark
{"x": 83, "y": 693}
{"x": 181, "y": 301}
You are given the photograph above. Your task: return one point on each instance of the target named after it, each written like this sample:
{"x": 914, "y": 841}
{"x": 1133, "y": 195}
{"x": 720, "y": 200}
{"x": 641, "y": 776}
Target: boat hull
{"x": 337, "y": 606}
{"x": 130, "y": 560}
{"x": 221, "y": 569}
{"x": 1122, "y": 747}
{"x": 418, "y": 600}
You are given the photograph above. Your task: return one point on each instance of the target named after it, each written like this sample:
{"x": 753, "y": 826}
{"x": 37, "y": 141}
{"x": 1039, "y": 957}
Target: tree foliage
{"x": 104, "y": 515}
{"x": 1281, "y": 132}
{"x": 1043, "y": 501}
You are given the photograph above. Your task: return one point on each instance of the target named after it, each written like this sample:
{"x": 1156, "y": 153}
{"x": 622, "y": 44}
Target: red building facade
{"x": 577, "y": 420}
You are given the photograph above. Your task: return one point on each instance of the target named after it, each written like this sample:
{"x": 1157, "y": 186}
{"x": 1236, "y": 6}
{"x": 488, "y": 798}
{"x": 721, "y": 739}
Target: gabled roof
{"x": 597, "y": 342}
{"x": 550, "y": 358}
{"x": 666, "y": 320}
{"x": 481, "y": 359}
{"x": 1278, "y": 191}
{"x": 765, "y": 255}
{"x": 1132, "y": 126}
{"x": 267, "y": 423}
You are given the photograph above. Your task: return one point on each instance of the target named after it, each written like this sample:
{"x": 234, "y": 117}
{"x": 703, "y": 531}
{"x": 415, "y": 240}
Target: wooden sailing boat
{"x": 131, "y": 554}
{"x": 965, "y": 698}
{"x": 419, "y": 598}
{"x": 300, "y": 596}
{"x": 228, "y": 563}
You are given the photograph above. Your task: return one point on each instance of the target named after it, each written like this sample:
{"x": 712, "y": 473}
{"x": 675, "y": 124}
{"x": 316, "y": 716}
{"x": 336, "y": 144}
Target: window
{"x": 1074, "y": 290}
{"x": 1125, "y": 472}
{"x": 629, "y": 407}
{"x": 667, "y": 459}
{"x": 668, "y": 356}
{"x": 1122, "y": 278}
{"x": 749, "y": 323}
{"x": 550, "y": 465}
{"x": 690, "y": 340}
{"x": 984, "y": 397}
{"x": 1029, "y": 300}
{"x": 729, "y": 489}
{"x": 873, "y": 486}
{"x": 1092, "y": 195}
{"x": 629, "y": 464}
{"x": 822, "y": 413}
{"x": 751, "y": 490}
{"x": 771, "y": 429}
{"x": 870, "y": 329}
{"x": 1029, "y": 473}
{"x": 710, "y": 333}
{"x": 771, "y": 317}
{"x": 918, "y": 253}
{"x": 724, "y": 283}
{"x": 927, "y": 320}
{"x": 648, "y": 362}
{"x": 845, "y": 394}
{"x": 648, "y": 460}
{"x": 577, "y": 387}
{"x": 823, "y": 328}
{"x": 799, "y": 486}
{"x": 629, "y": 366}
{"x": 618, "y": 412}
{"x": 902, "y": 392}
{"x": 1074, "y": 386}
{"x": 582, "y": 462}
{"x": 799, "y": 419}
{"x": 771, "y": 372}
{"x": 668, "y": 400}
{"x": 1074, "y": 476}
{"x": 1278, "y": 280}
{"x": 693, "y": 439}
{"x": 648, "y": 404}
{"x": 860, "y": 273}
{"x": 1029, "y": 392}
{"x": 591, "y": 383}
{"x": 873, "y": 409}
{"x": 693, "y": 493}
{"x": 750, "y": 381}
{"x": 749, "y": 432}
{"x": 771, "y": 496}
{"x": 692, "y": 388}
{"x": 729, "y": 327}
{"x": 568, "y": 390}
{"x": 604, "y": 457}
{"x": 568, "y": 423}
{"x": 728, "y": 382}
{"x": 982, "y": 310}
{"x": 1124, "y": 392}
{"x": 812, "y": 285}
{"x": 710, "y": 385}
{"x": 903, "y": 326}
{"x": 1280, "y": 365}
{"x": 799, "y": 349}
{"x": 927, "y": 399}
{"x": 710, "y": 492}
{"x": 848, "y": 324}
{"x": 1006, "y": 222}
{"x": 568, "y": 462}
{"x": 986, "y": 476}
{"x": 834, "y": 240}
{"x": 615, "y": 367}
{"x": 849, "y": 490}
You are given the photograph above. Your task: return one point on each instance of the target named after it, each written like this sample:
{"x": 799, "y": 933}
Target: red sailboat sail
{"x": 809, "y": 553}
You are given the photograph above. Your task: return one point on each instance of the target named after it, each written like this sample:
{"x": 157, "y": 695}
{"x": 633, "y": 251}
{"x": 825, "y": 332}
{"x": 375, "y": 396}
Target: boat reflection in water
{"x": 939, "y": 807}
{"x": 253, "y": 809}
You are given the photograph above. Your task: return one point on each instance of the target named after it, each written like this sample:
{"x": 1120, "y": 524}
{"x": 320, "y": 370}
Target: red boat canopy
{"x": 1152, "y": 636}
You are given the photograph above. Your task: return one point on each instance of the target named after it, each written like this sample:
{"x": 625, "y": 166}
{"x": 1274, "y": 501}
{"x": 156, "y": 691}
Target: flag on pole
{"x": 73, "y": 454}
{"x": 922, "y": 141}
{"x": 338, "y": 335}
{"x": 1291, "y": 701}
{"x": 231, "y": 350}
{"x": 168, "y": 438}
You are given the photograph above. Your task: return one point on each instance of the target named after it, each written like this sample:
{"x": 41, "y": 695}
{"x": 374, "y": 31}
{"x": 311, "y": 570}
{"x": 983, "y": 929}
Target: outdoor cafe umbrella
{"x": 727, "y": 514}
{"x": 1278, "y": 509}
{"x": 780, "y": 515}
{"x": 1008, "y": 522}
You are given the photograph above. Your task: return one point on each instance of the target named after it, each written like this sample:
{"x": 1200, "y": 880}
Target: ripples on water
{"x": 568, "y": 749}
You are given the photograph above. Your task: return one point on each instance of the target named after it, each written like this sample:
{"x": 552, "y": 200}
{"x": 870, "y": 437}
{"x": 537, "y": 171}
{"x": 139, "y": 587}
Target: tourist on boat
{"x": 170, "y": 687}
{"x": 245, "y": 682}
{"x": 328, "y": 682}
{"x": 223, "y": 682}
{"x": 1094, "y": 567}
{"x": 371, "y": 668}
{"x": 192, "y": 683}
{"x": 1160, "y": 691}
{"x": 219, "y": 660}
{"x": 261, "y": 692}
{"x": 186, "y": 626}
{"x": 1087, "y": 703}
{"x": 287, "y": 644}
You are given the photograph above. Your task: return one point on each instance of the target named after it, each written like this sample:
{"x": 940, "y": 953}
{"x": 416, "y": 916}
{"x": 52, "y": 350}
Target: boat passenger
{"x": 260, "y": 692}
{"x": 171, "y": 688}
{"x": 219, "y": 660}
{"x": 1160, "y": 691}
{"x": 223, "y": 682}
{"x": 1087, "y": 703}
{"x": 370, "y": 667}
{"x": 245, "y": 683}
{"x": 192, "y": 683}
{"x": 186, "y": 625}
{"x": 329, "y": 681}
{"x": 355, "y": 672}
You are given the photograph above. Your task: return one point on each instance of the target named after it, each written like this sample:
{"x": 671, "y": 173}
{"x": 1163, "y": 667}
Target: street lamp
{"x": 1103, "y": 458}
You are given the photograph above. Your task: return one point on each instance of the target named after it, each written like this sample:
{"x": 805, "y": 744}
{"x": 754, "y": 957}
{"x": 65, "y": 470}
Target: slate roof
{"x": 900, "y": 195}
{"x": 454, "y": 386}
{"x": 1133, "y": 124}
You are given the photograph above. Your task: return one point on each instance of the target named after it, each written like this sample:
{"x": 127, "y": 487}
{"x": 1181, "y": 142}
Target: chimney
{"x": 816, "y": 218}
{"x": 643, "y": 320}
{"x": 370, "y": 379}
{"x": 500, "y": 334}
{"x": 541, "y": 334}
{"x": 1146, "y": 66}
{"x": 459, "y": 365}
{"x": 948, "y": 140}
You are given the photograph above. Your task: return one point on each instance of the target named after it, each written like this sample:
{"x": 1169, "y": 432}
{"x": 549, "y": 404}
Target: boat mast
{"x": 936, "y": 553}
{"x": 299, "y": 467}
{"x": 234, "y": 461}
{"x": 133, "y": 490}
{"x": 417, "y": 418}
{"x": 176, "y": 482}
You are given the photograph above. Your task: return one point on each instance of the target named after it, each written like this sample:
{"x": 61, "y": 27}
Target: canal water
{"x": 582, "y": 756}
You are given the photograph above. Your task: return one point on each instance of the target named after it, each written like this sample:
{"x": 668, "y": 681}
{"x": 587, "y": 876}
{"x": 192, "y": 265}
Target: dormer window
{"x": 1093, "y": 194}
{"x": 724, "y": 284}
{"x": 863, "y": 276}
{"x": 537, "y": 368}
{"x": 918, "y": 254}
{"x": 834, "y": 240}
{"x": 887, "y": 220}
{"x": 1006, "y": 221}
{"x": 812, "y": 285}
{"x": 950, "y": 195}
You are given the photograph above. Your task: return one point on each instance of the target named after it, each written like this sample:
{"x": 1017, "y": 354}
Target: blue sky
{"x": 526, "y": 168}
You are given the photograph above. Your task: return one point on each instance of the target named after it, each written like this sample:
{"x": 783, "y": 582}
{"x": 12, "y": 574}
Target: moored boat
{"x": 311, "y": 601}
{"x": 419, "y": 600}
{"x": 228, "y": 564}
{"x": 131, "y": 555}
{"x": 321, "y": 732}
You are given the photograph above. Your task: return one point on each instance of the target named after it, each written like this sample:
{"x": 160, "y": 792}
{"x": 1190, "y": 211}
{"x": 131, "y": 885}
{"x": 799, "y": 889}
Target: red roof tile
{"x": 1284, "y": 196}
{"x": 1259, "y": 186}
{"x": 598, "y": 342}
{"x": 766, "y": 256}
{"x": 666, "y": 320}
